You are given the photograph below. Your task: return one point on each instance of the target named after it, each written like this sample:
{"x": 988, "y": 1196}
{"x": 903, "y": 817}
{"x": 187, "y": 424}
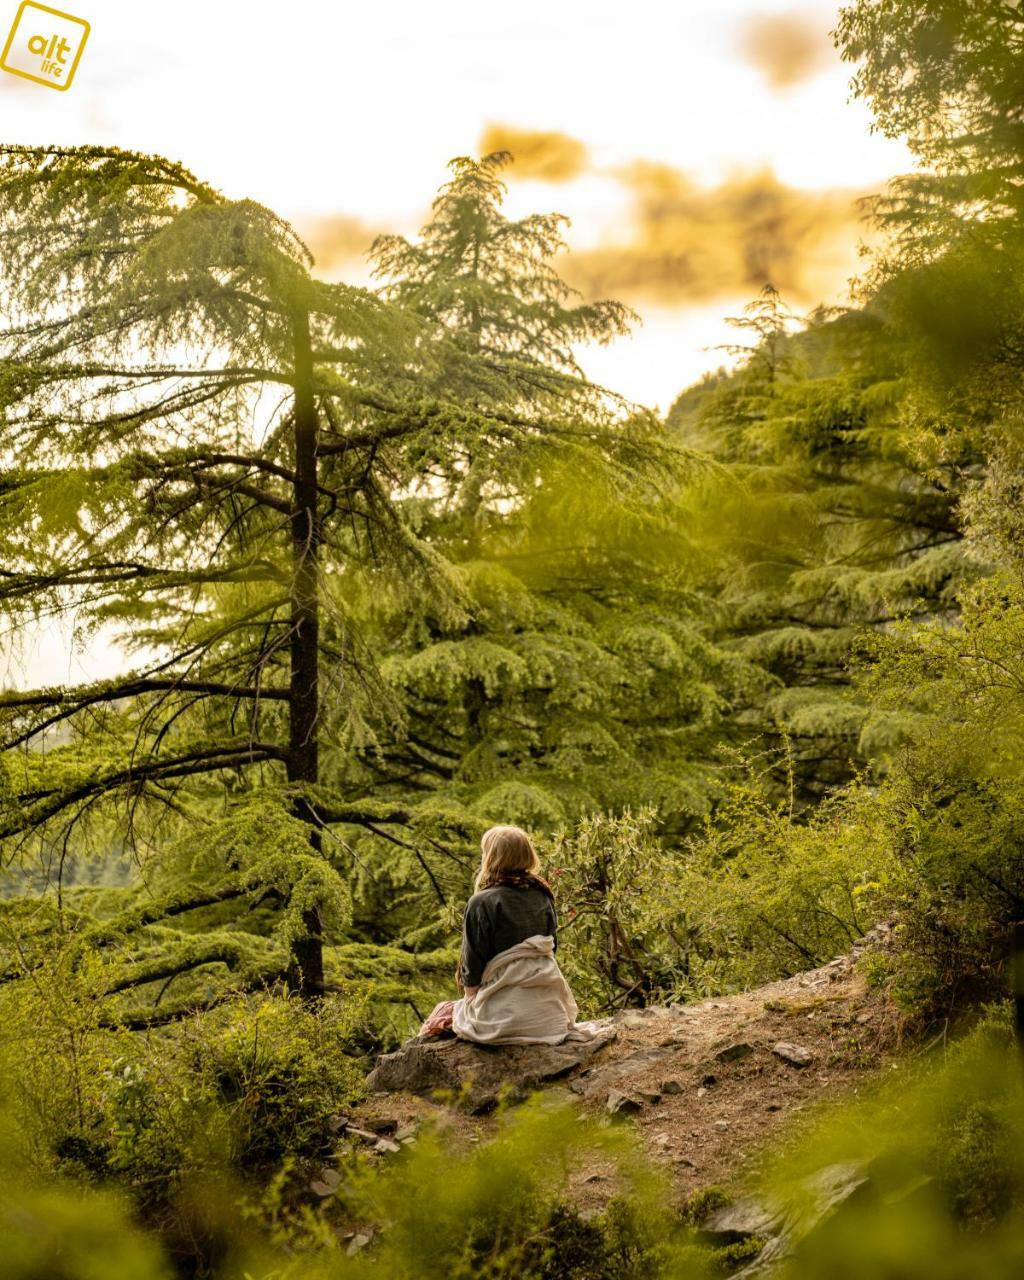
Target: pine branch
{"x": 217, "y": 951}
{"x": 358, "y": 815}
{"x": 137, "y": 918}
{"x": 80, "y": 699}
{"x": 189, "y": 764}
{"x": 235, "y": 374}
{"x": 187, "y": 1009}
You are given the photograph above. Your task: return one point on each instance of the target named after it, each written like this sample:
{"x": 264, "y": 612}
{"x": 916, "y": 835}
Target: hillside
{"x": 706, "y": 1086}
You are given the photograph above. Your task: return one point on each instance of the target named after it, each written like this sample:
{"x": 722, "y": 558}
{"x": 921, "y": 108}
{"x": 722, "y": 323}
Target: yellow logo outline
{"x": 57, "y": 13}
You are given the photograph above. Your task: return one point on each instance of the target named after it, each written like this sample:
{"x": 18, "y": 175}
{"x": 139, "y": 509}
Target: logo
{"x": 44, "y": 45}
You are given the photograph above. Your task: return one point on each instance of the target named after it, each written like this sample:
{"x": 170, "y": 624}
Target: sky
{"x": 699, "y": 149}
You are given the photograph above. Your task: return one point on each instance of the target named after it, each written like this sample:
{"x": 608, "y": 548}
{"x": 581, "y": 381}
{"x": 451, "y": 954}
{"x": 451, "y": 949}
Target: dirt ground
{"x": 706, "y": 1089}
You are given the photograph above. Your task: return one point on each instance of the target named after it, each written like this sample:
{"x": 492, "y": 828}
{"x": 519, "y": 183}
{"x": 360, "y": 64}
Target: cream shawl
{"x": 523, "y": 999}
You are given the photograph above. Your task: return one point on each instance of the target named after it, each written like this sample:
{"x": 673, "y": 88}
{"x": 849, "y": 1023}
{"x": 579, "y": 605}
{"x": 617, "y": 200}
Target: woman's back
{"x": 500, "y": 917}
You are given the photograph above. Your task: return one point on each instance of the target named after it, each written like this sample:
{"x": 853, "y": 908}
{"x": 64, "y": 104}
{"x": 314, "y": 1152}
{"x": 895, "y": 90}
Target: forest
{"x": 387, "y": 569}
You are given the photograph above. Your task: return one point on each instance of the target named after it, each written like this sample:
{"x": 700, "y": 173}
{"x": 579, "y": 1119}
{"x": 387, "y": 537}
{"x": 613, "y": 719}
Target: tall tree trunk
{"x": 306, "y": 974}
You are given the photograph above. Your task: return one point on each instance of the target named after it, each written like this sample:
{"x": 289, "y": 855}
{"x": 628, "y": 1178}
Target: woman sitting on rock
{"x": 514, "y": 991}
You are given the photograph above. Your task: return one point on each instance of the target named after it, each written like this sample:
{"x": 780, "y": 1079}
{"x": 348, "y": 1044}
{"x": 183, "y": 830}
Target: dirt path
{"x": 704, "y": 1085}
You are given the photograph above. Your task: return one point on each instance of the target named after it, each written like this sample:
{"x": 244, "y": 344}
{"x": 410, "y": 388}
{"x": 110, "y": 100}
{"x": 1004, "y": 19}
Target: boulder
{"x": 620, "y": 1074}
{"x": 795, "y": 1054}
{"x": 782, "y": 1224}
{"x": 478, "y": 1075}
{"x": 739, "y": 1221}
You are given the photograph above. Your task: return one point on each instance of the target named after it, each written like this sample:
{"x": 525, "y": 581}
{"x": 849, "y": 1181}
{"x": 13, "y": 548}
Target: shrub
{"x": 242, "y": 1088}
{"x": 500, "y": 1210}
{"x": 949, "y": 809}
{"x": 280, "y": 1069}
{"x": 754, "y": 897}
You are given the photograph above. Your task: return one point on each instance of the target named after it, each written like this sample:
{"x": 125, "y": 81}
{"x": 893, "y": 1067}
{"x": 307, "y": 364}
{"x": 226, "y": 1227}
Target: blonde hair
{"x": 505, "y": 849}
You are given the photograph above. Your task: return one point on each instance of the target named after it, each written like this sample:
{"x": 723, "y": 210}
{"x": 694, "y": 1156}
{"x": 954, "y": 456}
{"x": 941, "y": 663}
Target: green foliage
{"x": 280, "y": 1069}
{"x": 496, "y": 1210}
{"x": 409, "y": 572}
{"x": 942, "y": 75}
{"x": 617, "y": 942}
{"x": 700, "y": 1205}
{"x": 499, "y": 1211}
{"x": 228, "y": 463}
{"x": 489, "y": 280}
{"x": 950, "y": 806}
{"x": 836, "y": 511}
{"x": 580, "y": 673}
{"x": 752, "y": 897}
{"x": 940, "y": 1142}
{"x": 240, "y": 1089}
{"x": 55, "y": 1233}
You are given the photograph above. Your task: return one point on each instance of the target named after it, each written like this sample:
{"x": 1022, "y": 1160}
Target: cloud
{"x": 551, "y": 157}
{"x": 680, "y": 244}
{"x": 336, "y": 240}
{"x": 687, "y": 243}
{"x": 785, "y": 47}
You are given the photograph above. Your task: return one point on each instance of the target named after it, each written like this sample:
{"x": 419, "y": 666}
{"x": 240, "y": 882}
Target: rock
{"x": 620, "y": 1104}
{"x": 384, "y": 1146}
{"x": 721, "y": 1125}
{"x": 784, "y": 1223}
{"x": 630, "y": 1018}
{"x": 479, "y": 1074}
{"x": 647, "y": 1095}
{"x": 733, "y": 1052}
{"x": 364, "y": 1134}
{"x": 326, "y": 1184}
{"x": 385, "y": 1125}
{"x": 616, "y": 1075}
{"x": 359, "y": 1241}
{"x": 672, "y": 1085}
{"x": 739, "y": 1221}
{"x": 795, "y": 1054}
{"x": 701, "y": 1092}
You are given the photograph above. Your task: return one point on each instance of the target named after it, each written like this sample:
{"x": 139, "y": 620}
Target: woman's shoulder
{"x": 482, "y": 896}
{"x": 496, "y": 892}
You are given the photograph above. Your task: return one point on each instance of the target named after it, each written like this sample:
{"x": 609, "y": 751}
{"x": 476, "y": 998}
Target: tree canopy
{"x": 225, "y": 459}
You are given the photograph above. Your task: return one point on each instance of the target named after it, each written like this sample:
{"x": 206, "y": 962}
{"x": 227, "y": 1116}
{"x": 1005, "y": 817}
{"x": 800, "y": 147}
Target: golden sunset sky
{"x": 699, "y": 147}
